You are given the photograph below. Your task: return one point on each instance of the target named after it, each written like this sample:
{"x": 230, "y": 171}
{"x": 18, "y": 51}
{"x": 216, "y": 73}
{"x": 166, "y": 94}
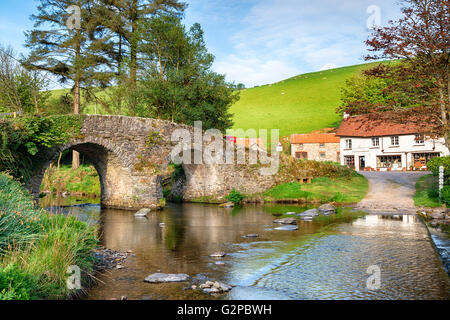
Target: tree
{"x": 117, "y": 22}
{"x": 178, "y": 83}
{"x": 22, "y": 89}
{"x": 66, "y": 52}
{"x": 417, "y": 83}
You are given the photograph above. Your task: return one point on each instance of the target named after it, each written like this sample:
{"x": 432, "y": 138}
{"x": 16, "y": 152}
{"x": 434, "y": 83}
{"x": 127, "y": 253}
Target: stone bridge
{"x": 131, "y": 156}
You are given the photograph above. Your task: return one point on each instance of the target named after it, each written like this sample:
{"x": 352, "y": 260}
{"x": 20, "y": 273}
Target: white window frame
{"x": 419, "y": 139}
{"x": 377, "y": 140}
{"x": 395, "y": 141}
{"x": 348, "y": 144}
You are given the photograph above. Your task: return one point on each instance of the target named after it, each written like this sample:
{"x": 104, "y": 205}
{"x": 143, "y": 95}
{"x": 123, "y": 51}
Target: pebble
{"x": 219, "y": 254}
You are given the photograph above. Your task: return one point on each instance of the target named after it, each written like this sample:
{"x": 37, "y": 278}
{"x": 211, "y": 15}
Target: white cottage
{"x": 368, "y": 144}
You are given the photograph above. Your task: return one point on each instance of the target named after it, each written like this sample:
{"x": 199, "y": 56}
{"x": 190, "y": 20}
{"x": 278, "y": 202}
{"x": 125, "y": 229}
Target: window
{"x": 348, "y": 143}
{"x": 375, "y": 142}
{"x": 421, "y": 159}
{"x": 389, "y": 162}
{"x": 349, "y": 161}
{"x": 395, "y": 141}
{"x": 301, "y": 155}
{"x": 300, "y": 146}
{"x": 420, "y": 139}
{"x": 323, "y": 155}
{"x": 322, "y": 145}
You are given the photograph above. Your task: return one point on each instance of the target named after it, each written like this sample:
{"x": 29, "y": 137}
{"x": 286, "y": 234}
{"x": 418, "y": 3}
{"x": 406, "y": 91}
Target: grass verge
{"x": 36, "y": 248}
{"x": 339, "y": 190}
{"x": 427, "y": 194}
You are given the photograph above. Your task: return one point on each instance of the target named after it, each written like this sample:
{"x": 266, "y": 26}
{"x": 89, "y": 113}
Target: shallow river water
{"x": 321, "y": 260}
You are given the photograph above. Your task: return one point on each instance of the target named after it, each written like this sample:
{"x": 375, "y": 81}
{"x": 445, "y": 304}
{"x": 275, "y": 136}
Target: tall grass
{"x": 38, "y": 248}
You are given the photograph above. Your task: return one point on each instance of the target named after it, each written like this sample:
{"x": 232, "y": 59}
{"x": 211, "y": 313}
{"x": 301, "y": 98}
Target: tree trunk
{"x": 133, "y": 54}
{"x": 76, "y": 100}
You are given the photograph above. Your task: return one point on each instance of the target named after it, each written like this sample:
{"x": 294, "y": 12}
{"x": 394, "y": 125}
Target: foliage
{"x": 38, "y": 247}
{"x": 235, "y": 196}
{"x": 434, "y": 164}
{"x": 154, "y": 138}
{"x": 23, "y": 140}
{"x": 427, "y": 193}
{"x": 82, "y": 181}
{"x": 446, "y": 195}
{"x": 178, "y": 83}
{"x": 22, "y": 89}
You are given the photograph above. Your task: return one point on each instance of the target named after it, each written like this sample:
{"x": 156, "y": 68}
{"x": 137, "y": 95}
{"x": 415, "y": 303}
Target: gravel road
{"x": 390, "y": 192}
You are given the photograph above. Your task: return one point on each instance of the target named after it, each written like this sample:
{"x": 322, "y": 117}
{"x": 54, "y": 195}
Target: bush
{"x": 434, "y": 164}
{"x": 235, "y": 196}
{"x": 446, "y": 194}
{"x": 15, "y": 284}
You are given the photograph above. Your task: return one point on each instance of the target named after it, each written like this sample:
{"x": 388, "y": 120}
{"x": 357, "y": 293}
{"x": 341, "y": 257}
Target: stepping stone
{"x": 142, "y": 213}
{"x": 287, "y": 228}
{"x": 165, "y": 277}
{"x": 286, "y": 221}
{"x": 309, "y": 213}
{"x": 219, "y": 254}
{"x": 307, "y": 218}
{"x": 251, "y": 236}
{"x": 291, "y": 213}
{"x": 327, "y": 208}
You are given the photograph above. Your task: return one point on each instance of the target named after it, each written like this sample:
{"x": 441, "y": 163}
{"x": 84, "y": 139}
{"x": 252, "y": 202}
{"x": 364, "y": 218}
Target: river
{"x": 322, "y": 260}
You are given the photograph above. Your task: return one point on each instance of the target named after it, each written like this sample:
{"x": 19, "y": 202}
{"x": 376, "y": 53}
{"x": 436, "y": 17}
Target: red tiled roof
{"x": 314, "y": 138}
{"x": 366, "y": 126}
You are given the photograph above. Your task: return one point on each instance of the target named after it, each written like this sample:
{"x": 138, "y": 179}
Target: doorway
{"x": 362, "y": 162}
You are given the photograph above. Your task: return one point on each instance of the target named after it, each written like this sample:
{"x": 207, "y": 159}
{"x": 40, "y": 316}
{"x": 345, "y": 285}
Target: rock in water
{"x": 287, "y": 228}
{"x": 286, "y": 221}
{"x": 219, "y": 254}
{"x": 290, "y": 213}
{"x": 309, "y": 213}
{"x": 327, "y": 208}
{"x": 253, "y": 235}
{"x": 142, "y": 213}
{"x": 164, "y": 277}
{"x": 307, "y": 218}
{"x": 227, "y": 205}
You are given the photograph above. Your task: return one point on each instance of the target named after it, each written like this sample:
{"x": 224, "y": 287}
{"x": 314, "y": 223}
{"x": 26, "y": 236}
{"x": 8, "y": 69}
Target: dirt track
{"x": 390, "y": 192}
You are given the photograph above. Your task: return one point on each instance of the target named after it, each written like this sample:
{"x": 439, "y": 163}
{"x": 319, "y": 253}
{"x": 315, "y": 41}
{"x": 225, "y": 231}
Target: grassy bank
{"x": 339, "y": 190}
{"x": 36, "y": 248}
{"x": 84, "y": 181}
{"x": 427, "y": 194}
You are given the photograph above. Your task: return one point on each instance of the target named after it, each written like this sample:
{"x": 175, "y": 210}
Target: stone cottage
{"x": 316, "y": 146}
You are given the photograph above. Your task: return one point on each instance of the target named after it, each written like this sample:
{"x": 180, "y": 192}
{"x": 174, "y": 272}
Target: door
{"x": 362, "y": 162}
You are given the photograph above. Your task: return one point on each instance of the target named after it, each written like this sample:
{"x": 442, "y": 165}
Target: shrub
{"x": 446, "y": 194}
{"x": 16, "y": 284}
{"x": 235, "y": 196}
{"x": 434, "y": 164}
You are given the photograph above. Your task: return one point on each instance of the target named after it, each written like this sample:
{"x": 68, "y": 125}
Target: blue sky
{"x": 257, "y": 41}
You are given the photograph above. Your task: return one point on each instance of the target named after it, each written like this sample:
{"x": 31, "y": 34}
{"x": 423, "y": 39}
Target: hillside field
{"x": 300, "y": 104}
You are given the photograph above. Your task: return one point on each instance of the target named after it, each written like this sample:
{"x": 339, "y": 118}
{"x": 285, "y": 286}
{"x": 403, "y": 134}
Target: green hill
{"x": 297, "y": 105}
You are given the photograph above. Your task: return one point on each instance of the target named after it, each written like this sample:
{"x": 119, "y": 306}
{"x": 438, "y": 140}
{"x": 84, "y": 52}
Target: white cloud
{"x": 281, "y": 38}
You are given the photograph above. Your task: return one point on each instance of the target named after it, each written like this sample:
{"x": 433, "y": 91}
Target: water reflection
{"x": 318, "y": 261}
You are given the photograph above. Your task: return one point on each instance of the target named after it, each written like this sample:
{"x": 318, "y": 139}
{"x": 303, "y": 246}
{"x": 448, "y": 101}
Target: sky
{"x": 257, "y": 42}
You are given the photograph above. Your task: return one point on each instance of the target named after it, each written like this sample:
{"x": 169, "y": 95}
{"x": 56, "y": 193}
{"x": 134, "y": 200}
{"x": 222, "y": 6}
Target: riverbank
{"x": 64, "y": 180}
{"x": 37, "y": 248}
{"x": 345, "y": 190}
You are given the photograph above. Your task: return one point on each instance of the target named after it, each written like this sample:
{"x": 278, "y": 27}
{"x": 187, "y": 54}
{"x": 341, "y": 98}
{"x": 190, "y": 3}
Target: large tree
{"x": 417, "y": 81}
{"x": 66, "y": 51}
{"x": 117, "y": 23}
{"x": 178, "y": 83}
